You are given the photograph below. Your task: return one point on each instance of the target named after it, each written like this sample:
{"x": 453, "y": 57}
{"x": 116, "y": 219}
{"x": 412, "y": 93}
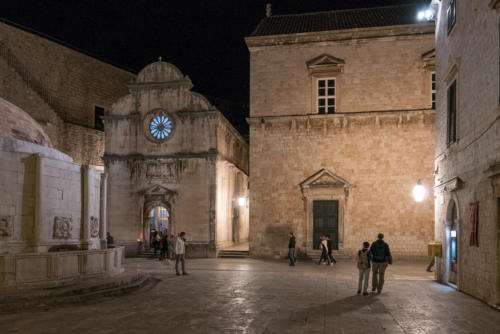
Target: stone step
{"x": 233, "y": 254}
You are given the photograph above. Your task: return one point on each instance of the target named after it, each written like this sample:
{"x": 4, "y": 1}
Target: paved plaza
{"x": 264, "y": 296}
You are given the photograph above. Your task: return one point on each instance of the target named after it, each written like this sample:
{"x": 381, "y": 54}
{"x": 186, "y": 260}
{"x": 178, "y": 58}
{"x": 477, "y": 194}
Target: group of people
{"x": 171, "y": 248}
{"x": 374, "y": 258}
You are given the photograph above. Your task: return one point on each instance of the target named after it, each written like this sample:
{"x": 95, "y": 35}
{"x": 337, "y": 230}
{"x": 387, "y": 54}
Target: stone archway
{"x": 452, "y": 241}
{"x": 153, "y": 197}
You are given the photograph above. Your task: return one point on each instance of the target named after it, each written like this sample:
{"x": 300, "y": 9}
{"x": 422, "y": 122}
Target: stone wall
{"x": 468, "y": 170}
{"x": 381, "y": 155}
{"x": 367, "y": 156}
{"x": 47, "y": 200}
{"x": 59, "y": 87}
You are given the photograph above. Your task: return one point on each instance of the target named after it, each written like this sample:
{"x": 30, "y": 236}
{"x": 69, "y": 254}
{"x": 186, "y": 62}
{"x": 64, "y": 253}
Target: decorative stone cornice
{"x": 180, "y": 155}
{"x": 338, "y": 121}
{"x": 185, "y": 84}
{"x": 341, "y": 35}
{"x": 429, "y": 60}
{"x": 450, "y": 185}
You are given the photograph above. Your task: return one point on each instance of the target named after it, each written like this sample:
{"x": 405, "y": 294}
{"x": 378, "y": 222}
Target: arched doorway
{"x": 158, "y": 221}
{"x": 452, "y": 237}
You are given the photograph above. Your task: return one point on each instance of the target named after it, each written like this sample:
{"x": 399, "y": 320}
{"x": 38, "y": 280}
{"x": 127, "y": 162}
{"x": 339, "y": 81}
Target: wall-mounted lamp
{"x": 418, "y": 192}
{"x": 427, "y": 14}
{"x": 242, "y": 201}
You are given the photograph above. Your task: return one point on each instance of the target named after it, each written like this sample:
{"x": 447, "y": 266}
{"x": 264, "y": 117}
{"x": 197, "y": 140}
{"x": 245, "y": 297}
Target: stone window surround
{"x": 336, "y": 190}
{"x": 451, "y": 28}
{"x": 324, "y": 66}
{"x": 433, "y": 89}
{"x": 450, "y": 78}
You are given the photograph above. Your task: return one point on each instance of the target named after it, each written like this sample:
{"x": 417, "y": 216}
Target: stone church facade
{"x": 467, "y": 163}
{"x": 174, "y": 163}
{"x": 341, "y": 130}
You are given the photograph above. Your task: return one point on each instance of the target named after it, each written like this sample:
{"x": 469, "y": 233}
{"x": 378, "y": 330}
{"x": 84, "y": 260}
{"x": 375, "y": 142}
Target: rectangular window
{"x": 451, "y": 133}
{"x": 98, "y": 123}
{"x": 326, "y": 96}
{"x": 433, "y": 90}
{"x": 451, "y": 14}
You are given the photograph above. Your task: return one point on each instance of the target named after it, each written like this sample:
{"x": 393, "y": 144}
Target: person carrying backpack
{"x": 381, "y": 256}
{"x": 364, "y": 259}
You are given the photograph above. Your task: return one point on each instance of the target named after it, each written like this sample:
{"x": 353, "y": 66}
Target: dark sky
{"x": 204, "y": 38}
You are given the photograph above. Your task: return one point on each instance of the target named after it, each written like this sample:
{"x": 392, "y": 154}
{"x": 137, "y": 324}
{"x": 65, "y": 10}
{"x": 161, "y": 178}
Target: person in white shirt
{"x": 180, "y": 250}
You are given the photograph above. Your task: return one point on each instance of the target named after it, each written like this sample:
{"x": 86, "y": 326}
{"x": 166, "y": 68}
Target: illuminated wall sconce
{"x": 242, "y": 201}
{"x": 427, "y": 14}
{"x": 418, "y": 192}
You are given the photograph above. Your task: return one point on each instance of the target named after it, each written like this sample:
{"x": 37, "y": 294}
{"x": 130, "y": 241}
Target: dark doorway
{"x": 326, "y": 222}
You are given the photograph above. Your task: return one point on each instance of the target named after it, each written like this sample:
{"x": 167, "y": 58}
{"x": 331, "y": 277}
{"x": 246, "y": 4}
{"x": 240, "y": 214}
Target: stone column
{"x": 85, "y": 233}
{"x": 38, "y": 216}
{"x": 102, "y": 213}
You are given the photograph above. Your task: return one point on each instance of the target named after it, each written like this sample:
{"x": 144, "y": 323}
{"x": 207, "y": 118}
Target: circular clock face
{"x": 160, "y": 127}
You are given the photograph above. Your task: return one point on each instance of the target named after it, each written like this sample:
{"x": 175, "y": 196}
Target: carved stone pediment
{"x": 324, "y": 178}
{"x": 450, "y": 185}
{"x": 429, "y": 60}
{"x": 325, "y": 63}
{"x": 158, "y": 190}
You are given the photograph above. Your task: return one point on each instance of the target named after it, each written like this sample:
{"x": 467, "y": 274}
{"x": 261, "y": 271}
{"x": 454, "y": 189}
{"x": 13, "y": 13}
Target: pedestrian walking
{"x": 381, "y": 257}
{"x": 109, "y": 240}
{"x": 324, "y": 250}
{"x": 291, "y": 249}
{"x": 180, "y": 250}
{"x": 363, "y": 263}
{"x": 156, "y": 242}
{"x": 171, "y": 249}
{"x": 329, "y": 245}
{"x": 163, "y": 247}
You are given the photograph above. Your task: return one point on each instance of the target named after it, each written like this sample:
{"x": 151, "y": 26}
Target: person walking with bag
{"x": 381, "y": 257}
{"x": 329, "y": 245}
{"x": 324, "y": 250}
{"x": 363, "y": 263}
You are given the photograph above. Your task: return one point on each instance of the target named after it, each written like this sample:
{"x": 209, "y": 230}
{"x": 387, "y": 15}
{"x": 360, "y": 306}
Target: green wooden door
{"x": 326, "y": 222}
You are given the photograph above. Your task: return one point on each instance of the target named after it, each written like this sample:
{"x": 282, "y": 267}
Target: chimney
{"x": 268, "y": 9}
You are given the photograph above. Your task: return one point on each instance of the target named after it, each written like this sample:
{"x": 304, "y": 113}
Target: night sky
{"x": 204, "y": 38}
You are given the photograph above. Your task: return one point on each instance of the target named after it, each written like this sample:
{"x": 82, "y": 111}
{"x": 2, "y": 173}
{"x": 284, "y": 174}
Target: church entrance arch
{"x": 158, "y": 222}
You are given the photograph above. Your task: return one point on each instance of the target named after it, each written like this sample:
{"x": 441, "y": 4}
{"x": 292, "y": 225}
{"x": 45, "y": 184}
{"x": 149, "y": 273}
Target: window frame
{"x": 101, "y": 121}
{"x": 451, "y": 13}
{"x": 451, "y": 113}
{"x": 326, "y": 97}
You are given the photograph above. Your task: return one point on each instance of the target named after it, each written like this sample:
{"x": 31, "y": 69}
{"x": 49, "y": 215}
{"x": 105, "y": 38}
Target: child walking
{"x": 364, "y": 259}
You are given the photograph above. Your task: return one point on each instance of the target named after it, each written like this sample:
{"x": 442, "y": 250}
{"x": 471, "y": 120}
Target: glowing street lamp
{"x": 427, "y": 14}
{"x": 242, "y": 201}
{"x": 418, "y": 192}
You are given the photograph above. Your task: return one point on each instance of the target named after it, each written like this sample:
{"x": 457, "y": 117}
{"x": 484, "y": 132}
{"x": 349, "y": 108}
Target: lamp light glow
{"x": 428, "y": 14}
{"x": 421, "y": 15}
{"x": 242, "y": 201}
{"x": 418, "y": 192}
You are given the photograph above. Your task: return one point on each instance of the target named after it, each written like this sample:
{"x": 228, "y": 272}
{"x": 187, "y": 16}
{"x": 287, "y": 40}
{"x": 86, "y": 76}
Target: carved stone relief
{"x": 94, "y": 227}
{"x": 62, "y": 227}
{"x": 166, "y": 171}
{"x": 6, "y": 226}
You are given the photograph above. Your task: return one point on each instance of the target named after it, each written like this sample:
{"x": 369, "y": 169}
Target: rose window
{"x": 160, "y": 127}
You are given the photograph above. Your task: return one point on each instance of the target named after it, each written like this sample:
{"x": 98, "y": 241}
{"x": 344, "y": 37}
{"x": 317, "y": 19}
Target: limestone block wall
{"x": 59, "y": 87}
{"x": 382, "y": 155}
{"x": 383, "y": 72}
{"x": 46, "y": 199}
{"x": 468, "y": 170}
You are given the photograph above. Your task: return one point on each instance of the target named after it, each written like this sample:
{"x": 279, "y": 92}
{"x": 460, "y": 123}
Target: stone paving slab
{"x": 262, "y": 296}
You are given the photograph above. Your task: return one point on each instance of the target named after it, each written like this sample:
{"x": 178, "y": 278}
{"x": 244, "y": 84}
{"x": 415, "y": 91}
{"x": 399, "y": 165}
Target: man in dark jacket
{"x": 381, "y": 256}
{"x": 291, "y": 249}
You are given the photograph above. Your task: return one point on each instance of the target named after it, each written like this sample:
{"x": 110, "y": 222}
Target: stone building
{"x": 63, "y": 89}
{"x": 341, "y": 130}
{"x": 467, "y": 157}
{"x": 48, "y": 204}
{"x": 174, "y": 164}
